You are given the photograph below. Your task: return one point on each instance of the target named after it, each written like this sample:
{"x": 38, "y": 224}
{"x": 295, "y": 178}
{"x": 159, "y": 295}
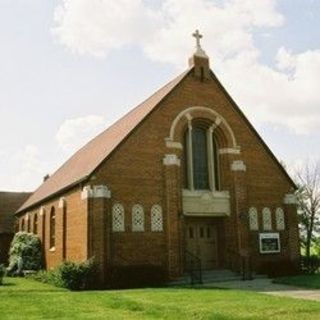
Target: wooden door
{"x": 201, "y": 241}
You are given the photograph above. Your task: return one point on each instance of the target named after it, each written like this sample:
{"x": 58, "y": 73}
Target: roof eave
{"x": 22, "y": 209}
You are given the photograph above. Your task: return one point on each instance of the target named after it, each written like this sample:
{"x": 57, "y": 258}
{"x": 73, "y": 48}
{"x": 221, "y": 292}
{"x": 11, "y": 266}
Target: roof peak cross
{"x": 199, "y": 51}
{"x": 198, "y": 36}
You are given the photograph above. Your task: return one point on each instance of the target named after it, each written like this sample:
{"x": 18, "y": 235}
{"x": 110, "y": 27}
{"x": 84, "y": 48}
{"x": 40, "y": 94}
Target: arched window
{"x": 253, "y": 219}
{"x": 280, "y": 219}
{"x": 52, "y": 231}
{"x": 28, "y": 223}
{"x": 35, "y": 223}
{"x": 64, "y": 232}
{"x": 22, "y": 225}
{"x": 267, "y": 220}
{"x": 156, "y": 218}
{"x": 44, "y": 229}
{"x": 137, "y": 218}
{"x": 201, "y": 158}
{"x": 118, "y": 218}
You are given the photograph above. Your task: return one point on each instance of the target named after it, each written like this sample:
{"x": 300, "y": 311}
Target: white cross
{"x": 198, "y": 36}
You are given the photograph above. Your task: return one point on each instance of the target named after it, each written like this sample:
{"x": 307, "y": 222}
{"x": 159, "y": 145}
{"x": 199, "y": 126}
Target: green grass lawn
{"x": 27, "y": 299}
{"x": 307, "y": 281}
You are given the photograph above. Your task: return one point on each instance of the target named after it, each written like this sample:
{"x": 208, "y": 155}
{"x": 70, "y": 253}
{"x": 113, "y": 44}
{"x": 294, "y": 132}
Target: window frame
{"x": 137, "y": 210}
{"x": 52, "y": 229}
{"x": 211, "y": 155}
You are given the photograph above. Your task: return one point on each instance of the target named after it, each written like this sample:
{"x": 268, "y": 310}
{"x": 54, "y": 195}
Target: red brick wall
{"x": 75, "y": 239}
{"x": 135, "y": 174}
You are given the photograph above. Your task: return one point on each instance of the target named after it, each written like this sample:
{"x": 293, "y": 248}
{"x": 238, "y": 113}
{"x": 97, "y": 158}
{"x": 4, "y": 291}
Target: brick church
{"x": 182, "y": 176}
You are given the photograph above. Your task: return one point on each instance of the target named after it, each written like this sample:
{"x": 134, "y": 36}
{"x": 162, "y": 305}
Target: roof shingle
{"x": 89, "y": 157}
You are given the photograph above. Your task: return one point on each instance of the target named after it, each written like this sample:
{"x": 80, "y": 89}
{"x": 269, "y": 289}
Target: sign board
{"x": 269, "y": 243}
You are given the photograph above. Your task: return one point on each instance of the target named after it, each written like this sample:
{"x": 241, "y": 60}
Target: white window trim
{"x": 210, "y": 157}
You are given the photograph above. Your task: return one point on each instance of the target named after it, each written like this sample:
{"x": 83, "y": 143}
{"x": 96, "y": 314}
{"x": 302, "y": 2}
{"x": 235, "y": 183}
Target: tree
{"x": 308, "y": 200}
{"x": 25, "y": 253}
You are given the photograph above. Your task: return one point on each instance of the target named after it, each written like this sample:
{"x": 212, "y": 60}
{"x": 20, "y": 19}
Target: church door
{"x": 201, "y": 241}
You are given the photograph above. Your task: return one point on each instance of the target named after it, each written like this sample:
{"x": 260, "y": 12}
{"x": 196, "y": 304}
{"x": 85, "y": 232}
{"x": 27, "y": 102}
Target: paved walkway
{"x": 266, "y": 286}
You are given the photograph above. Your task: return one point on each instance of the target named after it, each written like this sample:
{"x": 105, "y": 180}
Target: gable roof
{"x": 79, "y": 167}
{"x": 83, "y": 163}
{"x": 9, "y": 203}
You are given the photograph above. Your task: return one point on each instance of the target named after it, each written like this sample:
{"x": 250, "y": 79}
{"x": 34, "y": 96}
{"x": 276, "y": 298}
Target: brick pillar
{"x": 240, "y": 210}
{"x": 172, "y": 190}
{"x": 293, "y": 228}
{"x": 98, "y": 238}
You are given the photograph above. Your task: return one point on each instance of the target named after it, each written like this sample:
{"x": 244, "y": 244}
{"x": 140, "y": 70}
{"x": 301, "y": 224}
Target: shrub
{"x": 44, "y": 276}
{"x": 75, "y": 276}
{"x": 69, "y": 275}
{"x": 280, "y": 268}
{"x": 310, "y": 264}
{"x": 2, "y": 273}
{"x": 25, "y": 253}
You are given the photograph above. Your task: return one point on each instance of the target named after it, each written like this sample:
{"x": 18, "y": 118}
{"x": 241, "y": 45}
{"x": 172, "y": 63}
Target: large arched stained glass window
{"x": 200, "y": 159}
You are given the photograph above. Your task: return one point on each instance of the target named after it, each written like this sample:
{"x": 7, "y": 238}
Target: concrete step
{"x": 209, "y": 276}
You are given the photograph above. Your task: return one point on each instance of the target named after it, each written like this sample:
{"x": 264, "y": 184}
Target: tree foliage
{"x": 26, "y": 249}
{"x": 308, "y": 199}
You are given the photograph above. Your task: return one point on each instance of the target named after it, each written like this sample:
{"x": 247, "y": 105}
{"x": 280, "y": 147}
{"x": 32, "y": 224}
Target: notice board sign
{"x": 269, "y": 243}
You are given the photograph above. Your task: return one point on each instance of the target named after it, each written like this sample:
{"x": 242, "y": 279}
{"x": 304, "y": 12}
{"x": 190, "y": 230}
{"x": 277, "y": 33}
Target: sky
{"x": 70, "y": 68}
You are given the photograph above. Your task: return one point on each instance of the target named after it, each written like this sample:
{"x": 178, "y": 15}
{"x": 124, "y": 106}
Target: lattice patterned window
{"x": 137, "y": 218}
{"x": 156, "y": 218}
{"x": 118, "y": 218}
{"x": 253, "y": 219}
{"x": 266, "y": 217}
{"x": 280, "y": 219}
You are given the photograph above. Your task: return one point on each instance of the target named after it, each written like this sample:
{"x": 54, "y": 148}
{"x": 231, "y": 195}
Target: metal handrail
{"x": 193, "y": 267}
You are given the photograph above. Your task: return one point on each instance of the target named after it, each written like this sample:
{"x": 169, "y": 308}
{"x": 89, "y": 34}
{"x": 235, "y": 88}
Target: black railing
{"x": 246, "y": 268}
{"x": 310, "y": 265}
{"x": 193, "y": 267}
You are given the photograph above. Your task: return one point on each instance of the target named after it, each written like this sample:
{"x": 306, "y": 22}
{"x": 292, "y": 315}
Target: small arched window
{"x": 52, "y": 231}
{"x": 156, "y": 218}
{"x": 253, "y": 219}
{"x": 137, "y": 218}
{"x": 28, "y": 223}
{"x": 201, "y": 158}
{"x": 267, "y": 220}
{"x": 118, "y": 218}
{"x": 35, "y": 223}
{"x": 280, "y": 219}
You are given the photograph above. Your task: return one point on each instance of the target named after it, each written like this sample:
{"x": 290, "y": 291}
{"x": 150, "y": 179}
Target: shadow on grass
{"x": 7, "y": 284}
